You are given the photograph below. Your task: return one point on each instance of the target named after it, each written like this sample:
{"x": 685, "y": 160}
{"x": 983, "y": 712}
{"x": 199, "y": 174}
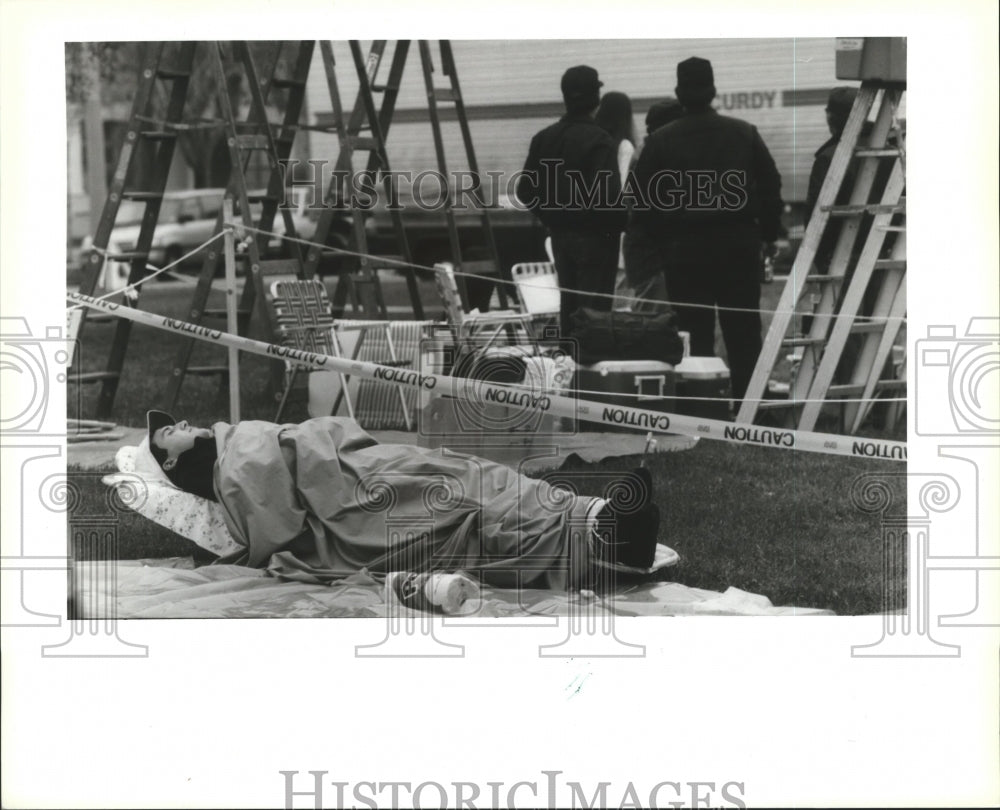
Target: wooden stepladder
{"x": 140, "y": 175}
{"x": 490, "y": 266}
{"x": 244, "y": 137}
{"x": 846, "y": 305}
{"x": 157, "y": 120}
{"x": 365, "y": 130}
{"x": 155, "y": 123}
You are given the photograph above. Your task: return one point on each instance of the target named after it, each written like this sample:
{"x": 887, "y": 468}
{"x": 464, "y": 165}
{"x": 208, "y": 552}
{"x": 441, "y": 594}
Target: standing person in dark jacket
{"x": 644, "y": 258}
{"x": 571, "y": 183}
{"x": 713, "y": 194}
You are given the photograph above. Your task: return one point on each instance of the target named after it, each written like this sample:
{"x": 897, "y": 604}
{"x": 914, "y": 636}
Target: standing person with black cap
{"x": 713, "y": 194}
{"x": 571, "y": 183}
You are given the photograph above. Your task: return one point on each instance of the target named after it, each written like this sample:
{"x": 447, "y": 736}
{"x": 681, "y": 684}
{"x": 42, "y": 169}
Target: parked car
{"x": 187, "y": 219}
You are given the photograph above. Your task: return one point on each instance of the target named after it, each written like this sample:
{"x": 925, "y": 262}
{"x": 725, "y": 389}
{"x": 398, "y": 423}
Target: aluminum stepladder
{"x": 361, "y": 286}
{"x": 842, "y": 289}
{"x": 254, "y": 134}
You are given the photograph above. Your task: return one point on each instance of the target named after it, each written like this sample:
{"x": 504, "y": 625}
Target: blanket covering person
{"x": 321, "y": 500}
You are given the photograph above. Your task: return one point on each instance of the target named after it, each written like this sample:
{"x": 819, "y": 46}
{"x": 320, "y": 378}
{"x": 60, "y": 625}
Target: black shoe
{"x": 630, "y": 538}
{"x": 628, "y": 526}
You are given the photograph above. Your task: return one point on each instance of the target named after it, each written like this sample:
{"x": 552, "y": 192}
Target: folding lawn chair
{"x": 480, "y": 330}
{"x": 303, "y": 320}
{"x": 538, "y": 291}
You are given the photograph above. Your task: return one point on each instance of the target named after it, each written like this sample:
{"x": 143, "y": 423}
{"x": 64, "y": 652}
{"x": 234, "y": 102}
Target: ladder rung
{"x": 172, "y": 73}
{"x": 206, "y": 370}
{"x": 773, "y": 404}
{"x": 482, "y": 267}
{"x": 142, "y": 196}
{"x": 803, "y": 340}
{"x": 857, "y": 210}
{"x": 325, "y": 323}
{"x": 273, "y": 267}
{"x": 856, "y": 329}
{"x": 287, "y": 83}
{"x": 890, "y": 264}
{"x": 816, "y": 278}
{"x": 381, "y": 88}
{"x": 872, "y": 151}
{"x": 92, "y": 376}
{"x": 256, "y": 141}
{"x": 445, "y": 94}
{"x": 867, "y": 328}
{"x": 848, "y": 390}
{"x": 261, "y": 198}
{"x": 127, "y": 256}
{"x": 890, "y": 385}
{"x": 158, "y": 135}
{"x": 845, "y": 390}
{"x": 254, "y": 125}
{"x": 363, "y": 142}
{"x": 222, "y": 313}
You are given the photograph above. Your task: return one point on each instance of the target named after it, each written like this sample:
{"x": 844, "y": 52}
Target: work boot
{"x": 628, "y": 525}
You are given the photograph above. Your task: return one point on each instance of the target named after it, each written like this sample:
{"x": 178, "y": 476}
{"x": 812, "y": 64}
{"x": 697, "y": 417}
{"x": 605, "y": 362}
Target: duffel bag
{"x": 622, "y": 335}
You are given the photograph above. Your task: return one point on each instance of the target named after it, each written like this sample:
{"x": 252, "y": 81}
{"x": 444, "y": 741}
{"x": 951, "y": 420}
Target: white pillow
{"x": 145, "y": 488}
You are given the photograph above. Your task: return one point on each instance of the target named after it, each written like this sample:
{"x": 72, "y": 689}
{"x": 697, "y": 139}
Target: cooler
{"x": 703, "y": 377}
{"x": 647, "y": 384}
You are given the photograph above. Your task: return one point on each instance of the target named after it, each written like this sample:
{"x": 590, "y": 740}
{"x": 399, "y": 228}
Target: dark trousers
{"x": 645, "y": 271}
{"x": 586, "y": 262}
{"x": 719, "y": 268}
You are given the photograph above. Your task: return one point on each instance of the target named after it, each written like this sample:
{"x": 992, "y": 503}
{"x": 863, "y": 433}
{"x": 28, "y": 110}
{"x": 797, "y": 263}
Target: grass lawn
{"x": 764, "y": 520}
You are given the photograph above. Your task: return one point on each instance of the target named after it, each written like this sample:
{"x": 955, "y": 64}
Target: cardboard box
{"x": 499, "y": 430}
{"x": 871, "y": 59}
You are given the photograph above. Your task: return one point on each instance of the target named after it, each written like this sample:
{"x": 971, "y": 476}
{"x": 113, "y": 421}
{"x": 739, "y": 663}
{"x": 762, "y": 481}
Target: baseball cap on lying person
{"x": 580, "y": 82}
{"x": 154, "y": 421}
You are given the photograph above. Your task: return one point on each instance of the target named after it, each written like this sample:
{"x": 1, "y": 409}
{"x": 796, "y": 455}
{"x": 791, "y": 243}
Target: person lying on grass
{"x": 321, "y": 500}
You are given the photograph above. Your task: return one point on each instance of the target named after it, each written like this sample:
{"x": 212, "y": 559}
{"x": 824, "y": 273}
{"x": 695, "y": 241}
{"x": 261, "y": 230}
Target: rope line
{"x": 400, "y": 263}
{"x": 157, "y": 271}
